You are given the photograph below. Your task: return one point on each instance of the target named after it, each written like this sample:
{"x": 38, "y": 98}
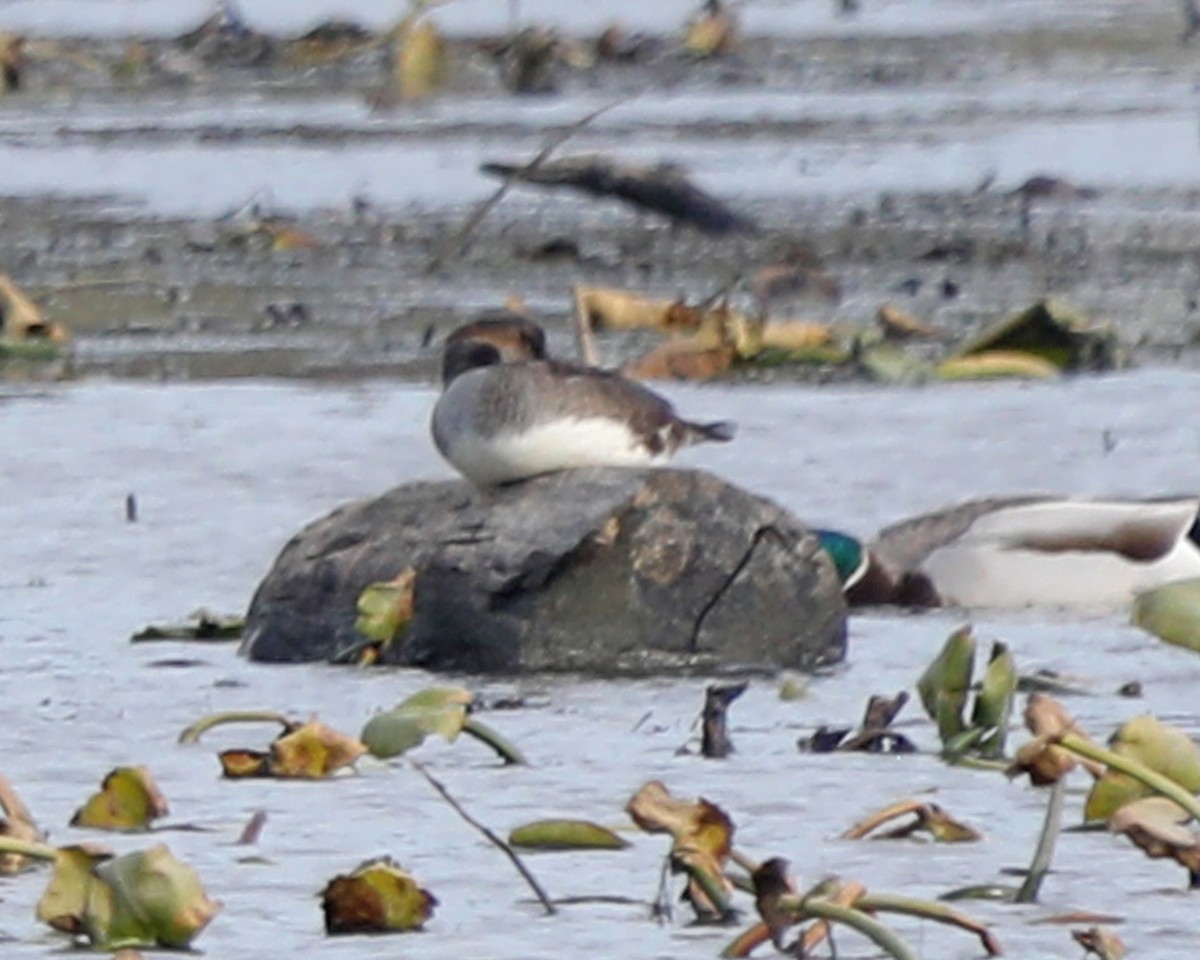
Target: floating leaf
{"x": 66, "y": 904}
{"x": 420, "y": 59}
{"x": 1051, "y": 332}
{"x": 703, "y": 840}
{"x": 142, "y": 899}
{"x": 22, "y": 321}
{"x": 927, "y": 817}
{"x": 997, "y": 364}
{"x": 944, "y": 685}
{"x": 379, "y": 896}
{"x": 129, "y": 799}
{"x": 565, "y": 835}
{"x": 711, "y": 34}
{"x": 899, "y": 324}
{"x": 1105, "y": 944}
{"x": 994, "y": 701}
{"x": 313, "y": 751}
{"x": 1171, "y": 612}
{"x": 1157, "y": 826}
{"x": 440, "y": 710}
{"x": 385, "y": 609}
{"x": 610, "y": 308}
{"x": 1153, "y": 744}
{"x": 203, "y": 625}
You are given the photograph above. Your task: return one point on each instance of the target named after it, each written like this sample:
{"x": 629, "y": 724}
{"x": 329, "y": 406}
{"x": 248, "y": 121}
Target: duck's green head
{"x": 848, "y": 554}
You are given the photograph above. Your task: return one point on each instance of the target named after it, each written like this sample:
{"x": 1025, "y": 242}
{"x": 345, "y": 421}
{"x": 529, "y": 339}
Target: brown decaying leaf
{"x": 379, "y": 896}
{"x": 703, "y": 839}
{"x": 610, "y": 308}
{"x": 1103, "y": 943}
{"x": 681, "y": 360}
{"x": 22, "y": 320}
{"x": 928, "y": 817}
{"x": 310, "y": 751}
{"x": 1156, "y": 824}
{"x": 1045, "y": 762}
{"x": 129, "y": 799}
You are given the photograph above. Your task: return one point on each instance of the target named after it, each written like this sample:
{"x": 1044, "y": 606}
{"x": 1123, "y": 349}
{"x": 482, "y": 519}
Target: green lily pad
{"x": 565, "y": 835}
{"x": 1171, "y": 613}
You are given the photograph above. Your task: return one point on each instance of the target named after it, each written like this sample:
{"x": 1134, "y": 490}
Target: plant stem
{"x": 879, "y": 934}
{"x": 192, "y": 732}
{"x": 1155, "y": 781}
{"x": 490, "y": 835}
{"x": 485, "y": 734}
{"x": 28, "y": 848}
{"x": 1044, "y": 853}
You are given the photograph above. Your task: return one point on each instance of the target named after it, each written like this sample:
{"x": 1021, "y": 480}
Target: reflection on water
{"x": 223, "y": 474}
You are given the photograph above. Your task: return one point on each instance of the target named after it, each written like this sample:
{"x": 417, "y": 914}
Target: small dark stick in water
{"x": 715, "y": 743}
{"x": 130, "y": 508}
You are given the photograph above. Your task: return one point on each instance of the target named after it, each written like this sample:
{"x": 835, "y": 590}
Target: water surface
{"x": 223, "y": 474}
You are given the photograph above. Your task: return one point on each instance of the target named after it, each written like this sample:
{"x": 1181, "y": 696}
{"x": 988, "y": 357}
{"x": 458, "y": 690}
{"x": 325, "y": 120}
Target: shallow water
{"x": 223, "y": 474}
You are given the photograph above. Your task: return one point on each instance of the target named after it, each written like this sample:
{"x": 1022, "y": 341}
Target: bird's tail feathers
{"x": 722, "y": 431}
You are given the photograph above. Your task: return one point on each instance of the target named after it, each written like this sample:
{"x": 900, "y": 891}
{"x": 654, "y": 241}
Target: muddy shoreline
{"x": 180, "y": 290}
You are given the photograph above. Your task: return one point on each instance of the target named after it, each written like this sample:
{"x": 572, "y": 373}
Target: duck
{"x": 1027, "y": 551}
{"x": 508, "y": 412}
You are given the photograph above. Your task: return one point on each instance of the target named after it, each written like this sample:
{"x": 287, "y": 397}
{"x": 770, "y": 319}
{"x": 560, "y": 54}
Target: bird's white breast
{"x": 560, "y": 444}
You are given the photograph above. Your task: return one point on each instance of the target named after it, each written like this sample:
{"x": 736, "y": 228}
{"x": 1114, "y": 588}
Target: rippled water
{"x": 223, "y": 474}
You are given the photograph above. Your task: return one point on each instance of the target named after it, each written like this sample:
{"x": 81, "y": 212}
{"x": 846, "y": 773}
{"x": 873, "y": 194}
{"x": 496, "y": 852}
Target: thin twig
{"x": 491, "y": 836}
{"x": 1040, "y": 865}
{"x": 457, "y": 243}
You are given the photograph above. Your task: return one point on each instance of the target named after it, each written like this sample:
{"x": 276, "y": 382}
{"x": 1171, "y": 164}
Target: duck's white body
{"x": 1071, "y": 553}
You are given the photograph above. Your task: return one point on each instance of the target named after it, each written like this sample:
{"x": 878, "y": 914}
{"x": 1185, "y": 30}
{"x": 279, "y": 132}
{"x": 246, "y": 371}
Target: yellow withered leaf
{"x": 128, "y": 800}
{"x": 712, "y": 33}
{"x": 610, "y": 308}
{"x": 420, "y": 60}
{"x": 703, "y": 840}
{"x": 238, "y": 764}
{"x": 997, "y": 364}
{"x": 379, "y": 896}
{"x": 385, "y": 609}
{"x": 69, "y": 903}
{"x": 313, "y": 751}
{"x": 795, "y": 335}
{"x": 899, "y": 324}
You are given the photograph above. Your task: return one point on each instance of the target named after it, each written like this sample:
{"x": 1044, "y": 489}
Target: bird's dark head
{"x": 463, "y": 355}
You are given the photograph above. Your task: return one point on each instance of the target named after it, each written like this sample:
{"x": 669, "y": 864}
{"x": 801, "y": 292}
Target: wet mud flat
{"x": 210, "y": 216}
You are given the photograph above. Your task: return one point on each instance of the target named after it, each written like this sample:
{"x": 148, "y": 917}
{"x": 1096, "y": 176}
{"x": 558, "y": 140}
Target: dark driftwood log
{"x": 601, "y": 570}
{"x": 663, "y": 189}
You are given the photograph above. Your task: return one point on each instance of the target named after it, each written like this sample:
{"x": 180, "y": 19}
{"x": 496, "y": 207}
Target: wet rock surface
{"x": 601, "y": 570}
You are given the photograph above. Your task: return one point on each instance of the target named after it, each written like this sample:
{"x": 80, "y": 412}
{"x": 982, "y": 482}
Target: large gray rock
{"x": 598, "y": 570}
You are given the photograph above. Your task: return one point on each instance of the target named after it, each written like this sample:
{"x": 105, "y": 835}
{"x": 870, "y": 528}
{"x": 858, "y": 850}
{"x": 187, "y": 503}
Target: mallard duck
{"x": 1024, "y": 551}
{"x": 497, "y": 421}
